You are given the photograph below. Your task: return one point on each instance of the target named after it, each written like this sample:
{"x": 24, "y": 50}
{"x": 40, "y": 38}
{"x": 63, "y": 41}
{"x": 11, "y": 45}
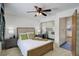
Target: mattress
{"x": 25, "y": 45}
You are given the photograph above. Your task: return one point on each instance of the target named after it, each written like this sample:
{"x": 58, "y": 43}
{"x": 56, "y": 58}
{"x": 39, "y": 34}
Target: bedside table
{"x": 9, "y": 43}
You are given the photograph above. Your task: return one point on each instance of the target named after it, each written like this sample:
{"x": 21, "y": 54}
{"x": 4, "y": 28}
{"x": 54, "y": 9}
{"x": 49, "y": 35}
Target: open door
{"x": 74, "y": 32}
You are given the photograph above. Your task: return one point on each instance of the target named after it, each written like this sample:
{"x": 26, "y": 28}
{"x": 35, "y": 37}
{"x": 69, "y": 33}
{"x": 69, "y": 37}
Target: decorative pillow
{"x": 41, "y": 39}
{"x": 23, "y": 36}
{"x": 31, "y": 35}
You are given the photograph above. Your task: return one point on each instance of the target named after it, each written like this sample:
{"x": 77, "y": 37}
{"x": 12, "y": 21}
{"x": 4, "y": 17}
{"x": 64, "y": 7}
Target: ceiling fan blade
{"x": 36, "y": 7}
{"x": 47, "y": 10}
{"x": 44, "y": 14}
{"x": 31, "y": 11}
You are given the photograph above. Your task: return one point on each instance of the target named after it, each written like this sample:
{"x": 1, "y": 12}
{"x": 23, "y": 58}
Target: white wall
{"x": 19, "y": 21}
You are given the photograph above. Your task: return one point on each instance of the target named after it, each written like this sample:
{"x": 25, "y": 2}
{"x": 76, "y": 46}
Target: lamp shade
{"x": 10, "y": 30}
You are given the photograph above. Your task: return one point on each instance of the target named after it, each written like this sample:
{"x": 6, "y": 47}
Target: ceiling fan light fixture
{"x": 39, "y": 11}
{"x": 38, "y": 14}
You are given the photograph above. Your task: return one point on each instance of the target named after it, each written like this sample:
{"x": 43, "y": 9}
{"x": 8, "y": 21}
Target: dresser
{"x": 10, "y": 43}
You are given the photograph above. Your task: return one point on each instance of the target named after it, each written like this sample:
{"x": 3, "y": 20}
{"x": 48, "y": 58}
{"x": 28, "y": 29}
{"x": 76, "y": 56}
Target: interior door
{"x": 74, "y": 32}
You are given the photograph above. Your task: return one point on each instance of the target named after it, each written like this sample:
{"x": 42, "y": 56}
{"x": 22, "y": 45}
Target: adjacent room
{"x": 39, "y": 29}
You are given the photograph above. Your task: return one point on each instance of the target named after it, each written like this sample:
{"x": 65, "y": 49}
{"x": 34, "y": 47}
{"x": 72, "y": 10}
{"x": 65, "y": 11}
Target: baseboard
{"x": 63, "y": 43}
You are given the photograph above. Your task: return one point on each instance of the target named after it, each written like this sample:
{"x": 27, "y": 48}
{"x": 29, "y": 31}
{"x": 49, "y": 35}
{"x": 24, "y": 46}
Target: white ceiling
{"x": 22, "y": 8}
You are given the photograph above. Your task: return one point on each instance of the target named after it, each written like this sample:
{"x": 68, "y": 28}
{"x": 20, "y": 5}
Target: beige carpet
{"x": 56, "y": 52}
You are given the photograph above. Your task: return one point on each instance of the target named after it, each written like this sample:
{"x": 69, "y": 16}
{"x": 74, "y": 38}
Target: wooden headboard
{"x": 25, "y": 30}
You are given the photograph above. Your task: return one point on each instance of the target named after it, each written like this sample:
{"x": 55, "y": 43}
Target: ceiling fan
{"x": 40, "y": 11}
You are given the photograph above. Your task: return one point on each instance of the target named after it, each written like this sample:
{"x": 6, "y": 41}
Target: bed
{"x": 32, "y": 47}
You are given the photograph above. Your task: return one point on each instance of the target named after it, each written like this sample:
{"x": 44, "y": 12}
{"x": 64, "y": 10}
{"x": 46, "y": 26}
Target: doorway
{"x": 65, "y": 37}
{"x": 67, "y": 44}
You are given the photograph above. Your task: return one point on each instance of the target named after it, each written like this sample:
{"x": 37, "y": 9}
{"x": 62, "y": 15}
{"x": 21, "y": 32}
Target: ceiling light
{"x": 38, "y": 14}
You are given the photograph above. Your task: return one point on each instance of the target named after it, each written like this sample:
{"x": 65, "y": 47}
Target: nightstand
{"x": 9, "y": 43}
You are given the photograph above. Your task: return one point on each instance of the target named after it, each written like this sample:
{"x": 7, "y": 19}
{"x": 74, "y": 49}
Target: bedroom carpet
{"x": 56, "y": 52}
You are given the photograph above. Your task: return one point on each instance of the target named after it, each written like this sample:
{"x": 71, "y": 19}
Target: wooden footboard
{"x": 39, "y": 51}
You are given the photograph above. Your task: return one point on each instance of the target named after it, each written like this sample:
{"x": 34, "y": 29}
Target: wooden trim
{"x": 74, "y": 32}
{"x": 64, "y": 19}
{"x": 65, "y": 29}
{"x": 69, "y": 36}
{"x": 39, "y": 51}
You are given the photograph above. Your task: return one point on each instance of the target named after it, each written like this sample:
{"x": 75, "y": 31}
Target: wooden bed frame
{"x": 38, "y": 51}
